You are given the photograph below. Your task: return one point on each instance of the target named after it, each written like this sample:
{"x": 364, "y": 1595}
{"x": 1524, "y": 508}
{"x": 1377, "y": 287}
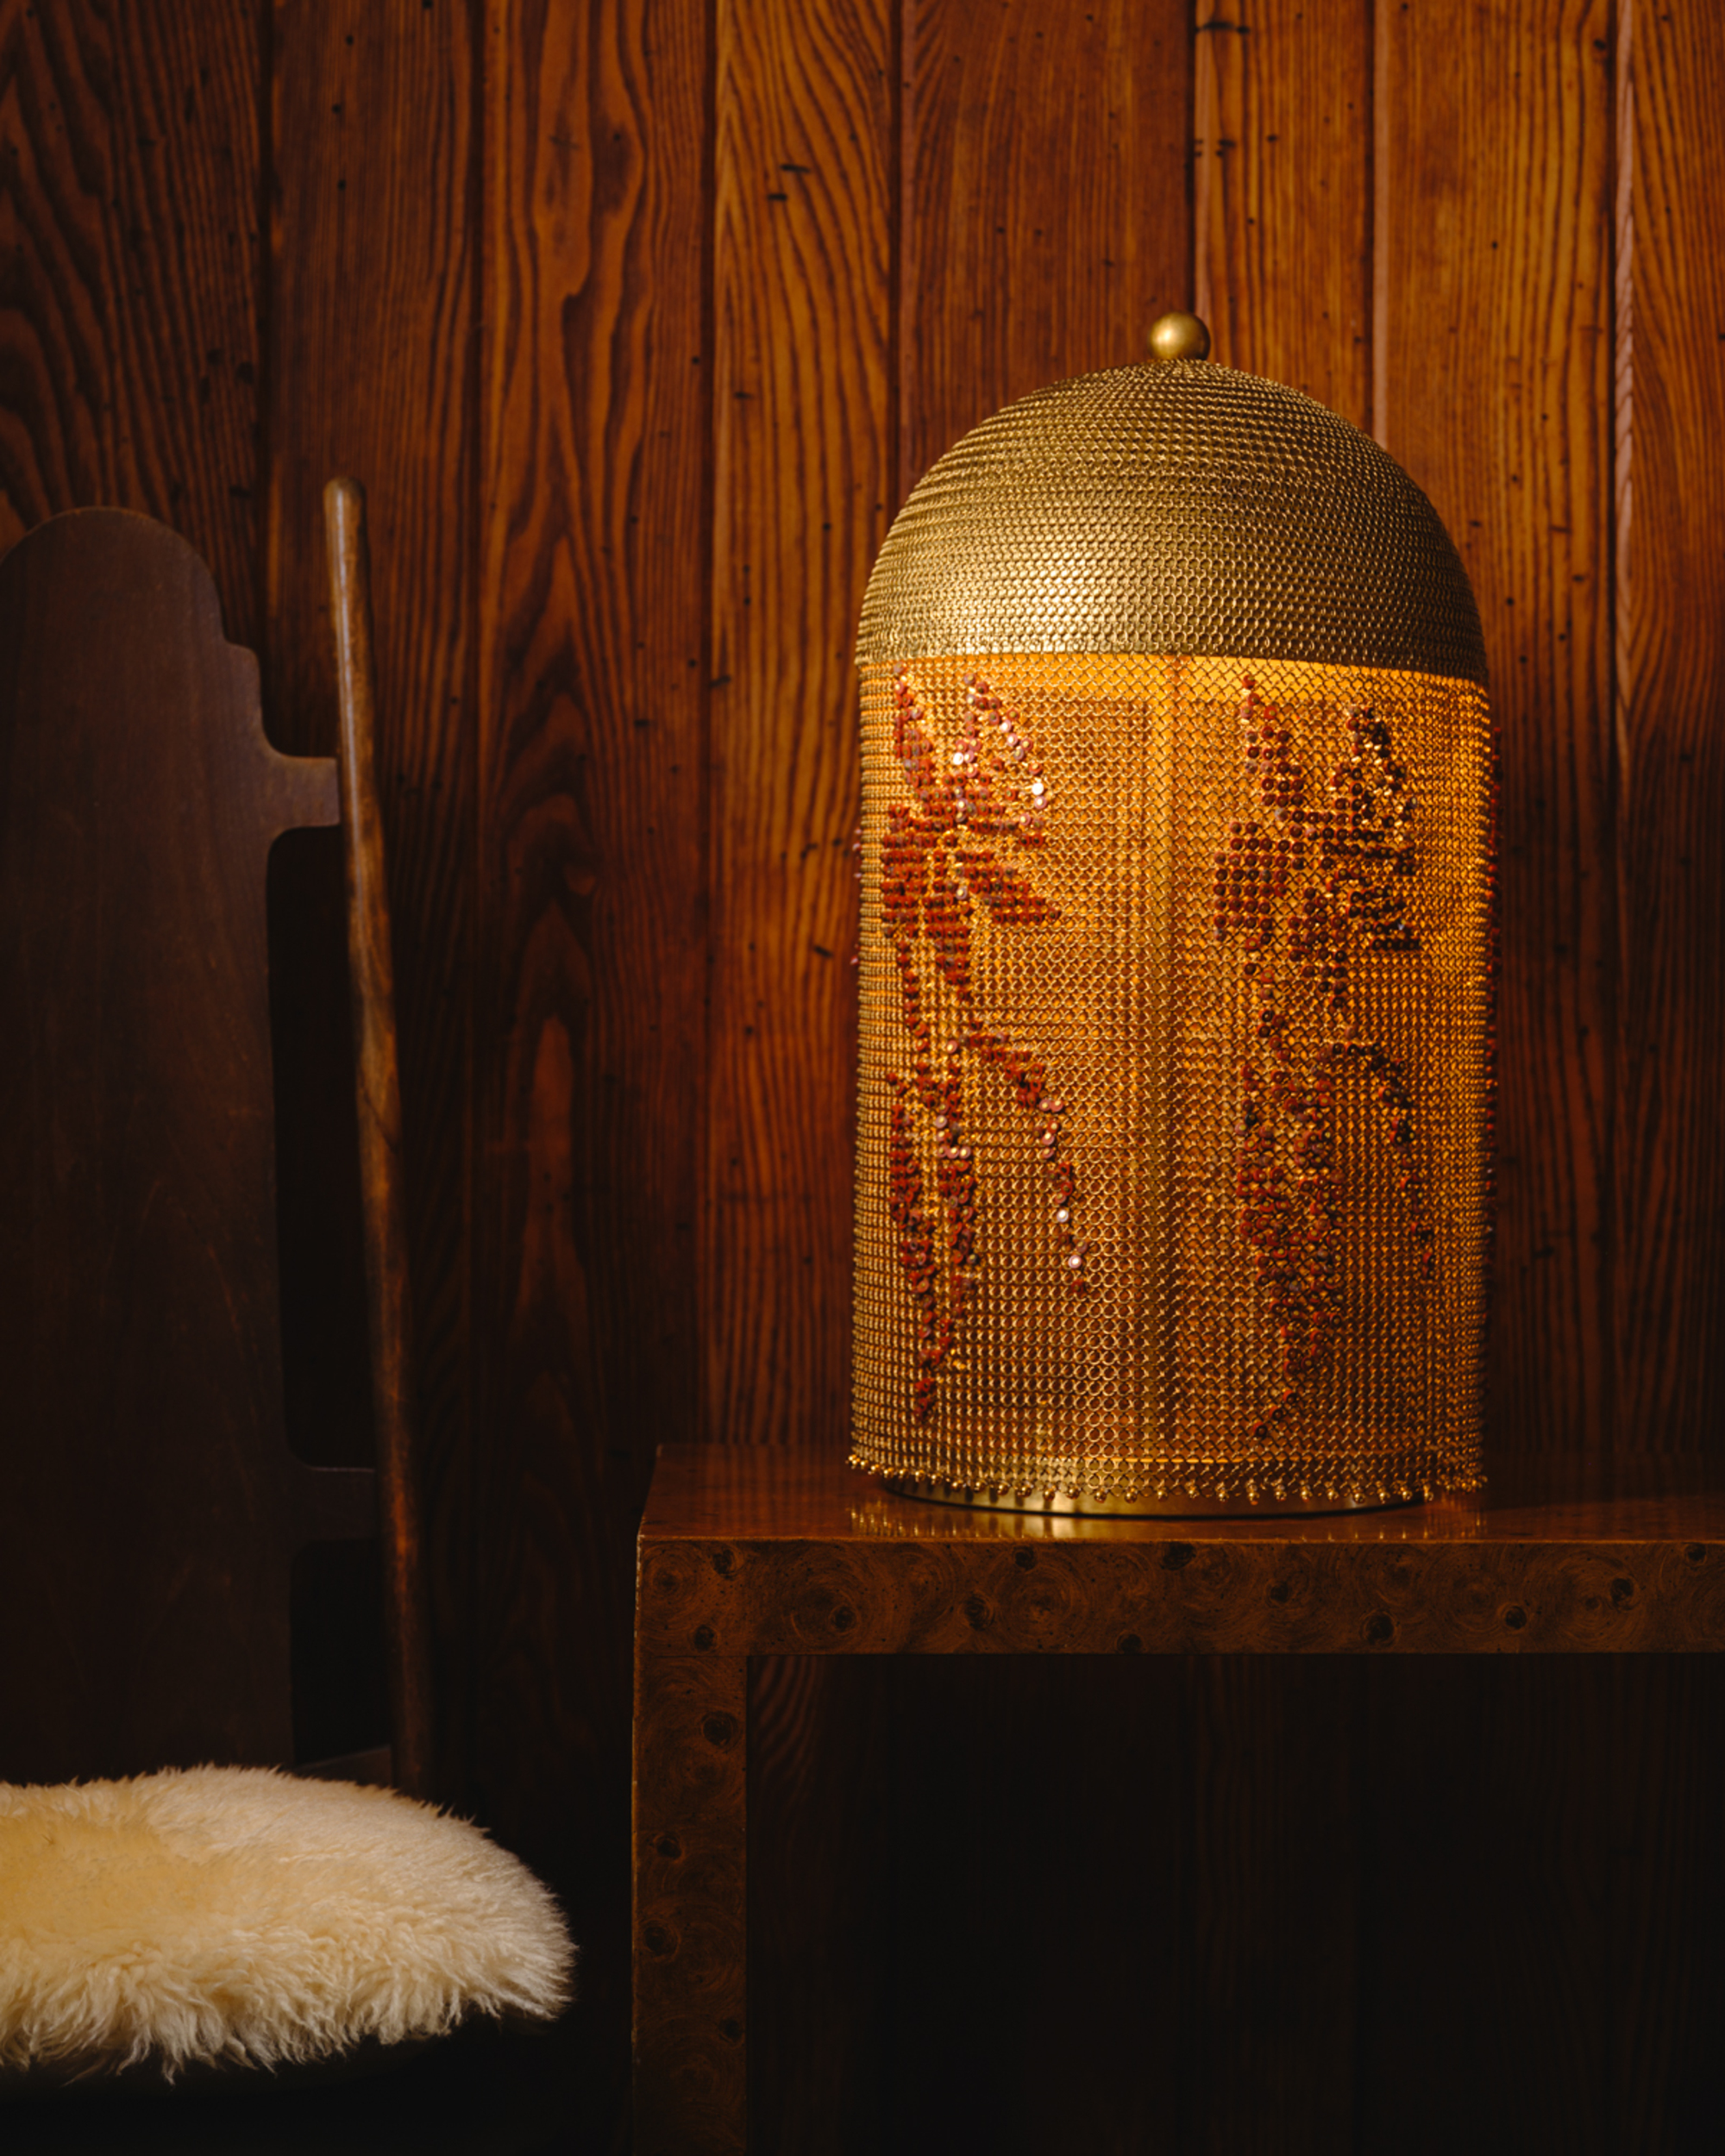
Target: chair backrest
{"x": 149, "y": 1506}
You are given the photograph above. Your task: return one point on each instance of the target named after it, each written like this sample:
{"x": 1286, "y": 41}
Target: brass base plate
{"x": 1176, "y": 1506}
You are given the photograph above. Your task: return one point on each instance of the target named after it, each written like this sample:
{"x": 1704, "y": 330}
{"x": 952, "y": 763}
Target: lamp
{"x": 1175, "y": 962}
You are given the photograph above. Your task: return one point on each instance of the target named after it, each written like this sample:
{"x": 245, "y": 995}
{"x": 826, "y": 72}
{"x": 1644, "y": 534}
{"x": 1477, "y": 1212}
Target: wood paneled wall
{"x": 638, "y": 319}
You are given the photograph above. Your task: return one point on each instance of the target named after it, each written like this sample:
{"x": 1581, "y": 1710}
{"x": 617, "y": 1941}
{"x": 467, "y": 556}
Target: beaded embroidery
{"x": 940, "y": 858}
{"x": 1347, "y": 866}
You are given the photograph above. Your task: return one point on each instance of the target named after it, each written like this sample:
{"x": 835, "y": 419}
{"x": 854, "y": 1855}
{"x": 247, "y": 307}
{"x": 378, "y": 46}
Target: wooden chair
{"x": 221, "y": 1919}
{"x": 152, "y": 1508}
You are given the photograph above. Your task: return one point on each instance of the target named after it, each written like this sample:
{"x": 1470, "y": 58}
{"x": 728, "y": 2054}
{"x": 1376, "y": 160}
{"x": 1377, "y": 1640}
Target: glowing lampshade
{"x": 1176, "y": 972}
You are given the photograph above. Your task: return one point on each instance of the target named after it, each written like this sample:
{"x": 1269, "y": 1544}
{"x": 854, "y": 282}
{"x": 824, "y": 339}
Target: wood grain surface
{"x": 1668, "y": 1261}
{"x": 1493, "y": 387}
{"x": 1282, "y": 194}
{"x": 131, "y": 179}
{"x": 988, "y": 1597}
{"x": 801, "y": 268}
{"x": 1044, "y": 222}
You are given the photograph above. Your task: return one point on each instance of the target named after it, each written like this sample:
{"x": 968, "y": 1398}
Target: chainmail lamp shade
{"x": 1175, "y": 972}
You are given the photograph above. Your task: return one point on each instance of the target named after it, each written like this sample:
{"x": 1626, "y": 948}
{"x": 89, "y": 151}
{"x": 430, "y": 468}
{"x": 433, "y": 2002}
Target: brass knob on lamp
{"x": 1179, "y": 336}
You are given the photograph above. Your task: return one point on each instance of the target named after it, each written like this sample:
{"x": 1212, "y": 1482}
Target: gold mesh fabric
{"x": 1182, "y": 507}
{"x": 1175, "y": 1010}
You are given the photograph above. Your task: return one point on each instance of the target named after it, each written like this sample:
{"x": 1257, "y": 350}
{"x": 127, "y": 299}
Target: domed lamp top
{"x": 1176, "y": 507}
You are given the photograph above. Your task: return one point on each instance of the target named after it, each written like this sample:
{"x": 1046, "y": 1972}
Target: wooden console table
{"x": 749, "y": 1550}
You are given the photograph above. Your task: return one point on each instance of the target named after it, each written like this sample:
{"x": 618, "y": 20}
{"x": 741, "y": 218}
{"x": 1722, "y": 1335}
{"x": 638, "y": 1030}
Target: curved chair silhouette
{"x": 153, "y": 1506}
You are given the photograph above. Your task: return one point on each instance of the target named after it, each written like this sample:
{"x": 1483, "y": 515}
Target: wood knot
{"x": 1515, "y": 1616}
{"x": 658, "y": 1939}
{"x": 730, "y": 2029}
{"x": 725, "y": 1562}
{"x": 1176, "y": 1557}
{"x": 669, "y": 1846}
{"x": 705, "y": 1636}
{"x": 1278, "y": 1590}
{"x": 1697, "y": 1553}
{"x": 1131, "y": 1643}
{"x": 1380, "y": 1629}
{"x": 1024, "y": 1559}
{"x": 1622, "y": 1594}
{"x": 843, "y": 1617}
{"x": 978, "y": 1612}
{"x": 719, "y": 1730}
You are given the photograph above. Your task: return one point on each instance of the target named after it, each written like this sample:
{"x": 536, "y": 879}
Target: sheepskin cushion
{"x": 236, "y": 1915}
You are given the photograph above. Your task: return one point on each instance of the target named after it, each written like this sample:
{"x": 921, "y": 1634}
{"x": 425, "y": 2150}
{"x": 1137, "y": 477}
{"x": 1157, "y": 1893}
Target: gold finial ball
{"x": 1179, "y": 336}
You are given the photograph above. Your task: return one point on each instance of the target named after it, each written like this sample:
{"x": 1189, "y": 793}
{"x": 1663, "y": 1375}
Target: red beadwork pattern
{"x": 940, "y": 858}
{"x": 1298, "y": 894}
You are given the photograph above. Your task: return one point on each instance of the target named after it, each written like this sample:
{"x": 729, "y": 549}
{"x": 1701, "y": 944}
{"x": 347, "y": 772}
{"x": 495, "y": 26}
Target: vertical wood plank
{"x": 588, "y": 1017}
{"x": 1034, "y": 1923}
{"x": 1045, "y": 222}
{"x": 821, "y": 1856}
{"x": 1494, "y": 175}
{"x": 1485, "y": 1939}
{"x": 1275, "y": 1903}
{"x": 1281, "y": 194}
{"x": 800, "y": 498}
{"x": 130, "y": 269}
{"x": 373, "y": 263}
{"x": 1670, "y": 1240}
{"x": 1665, "y": 1900}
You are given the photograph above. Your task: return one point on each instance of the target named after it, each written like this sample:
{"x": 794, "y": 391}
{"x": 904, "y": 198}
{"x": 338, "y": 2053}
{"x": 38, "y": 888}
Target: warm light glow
{"x": 1175, "y": 982}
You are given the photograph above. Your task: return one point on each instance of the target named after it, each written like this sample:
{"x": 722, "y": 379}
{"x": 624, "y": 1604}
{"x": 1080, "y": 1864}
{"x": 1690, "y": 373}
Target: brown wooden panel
{"x": 800, "y": 502}
{"x": 150, "y": 1508}
{"x": 1548, "y": 1885}
{"x": 1281, "y": 194}
{"x": 819, "y": 1850}
{"x": 372, "y": 371}
{"x": 1036, "y": 1911}
{"x": 130, "y": 271}
{"x": 1668, "y": 1251}
{"x": 1045, "y": 221}
{"x": 1484, "y": 1943}
{"x": 588, "y": 1010}
{"x": 1665, "y": 1879}
{"x": 1274, "y": 1904}
{"x": 1493, "y": 387}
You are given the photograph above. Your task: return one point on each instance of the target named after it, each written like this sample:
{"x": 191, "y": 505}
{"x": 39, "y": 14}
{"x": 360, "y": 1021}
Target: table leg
{"x": 691, "y": 1798}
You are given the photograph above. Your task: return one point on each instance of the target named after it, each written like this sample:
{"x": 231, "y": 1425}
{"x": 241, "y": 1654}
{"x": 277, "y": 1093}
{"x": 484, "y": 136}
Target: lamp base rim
{"x": 1176, "y": 1505}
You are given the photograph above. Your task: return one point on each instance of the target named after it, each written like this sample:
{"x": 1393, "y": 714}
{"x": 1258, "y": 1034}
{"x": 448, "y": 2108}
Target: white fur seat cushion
{"x": 238, "y": 1915}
